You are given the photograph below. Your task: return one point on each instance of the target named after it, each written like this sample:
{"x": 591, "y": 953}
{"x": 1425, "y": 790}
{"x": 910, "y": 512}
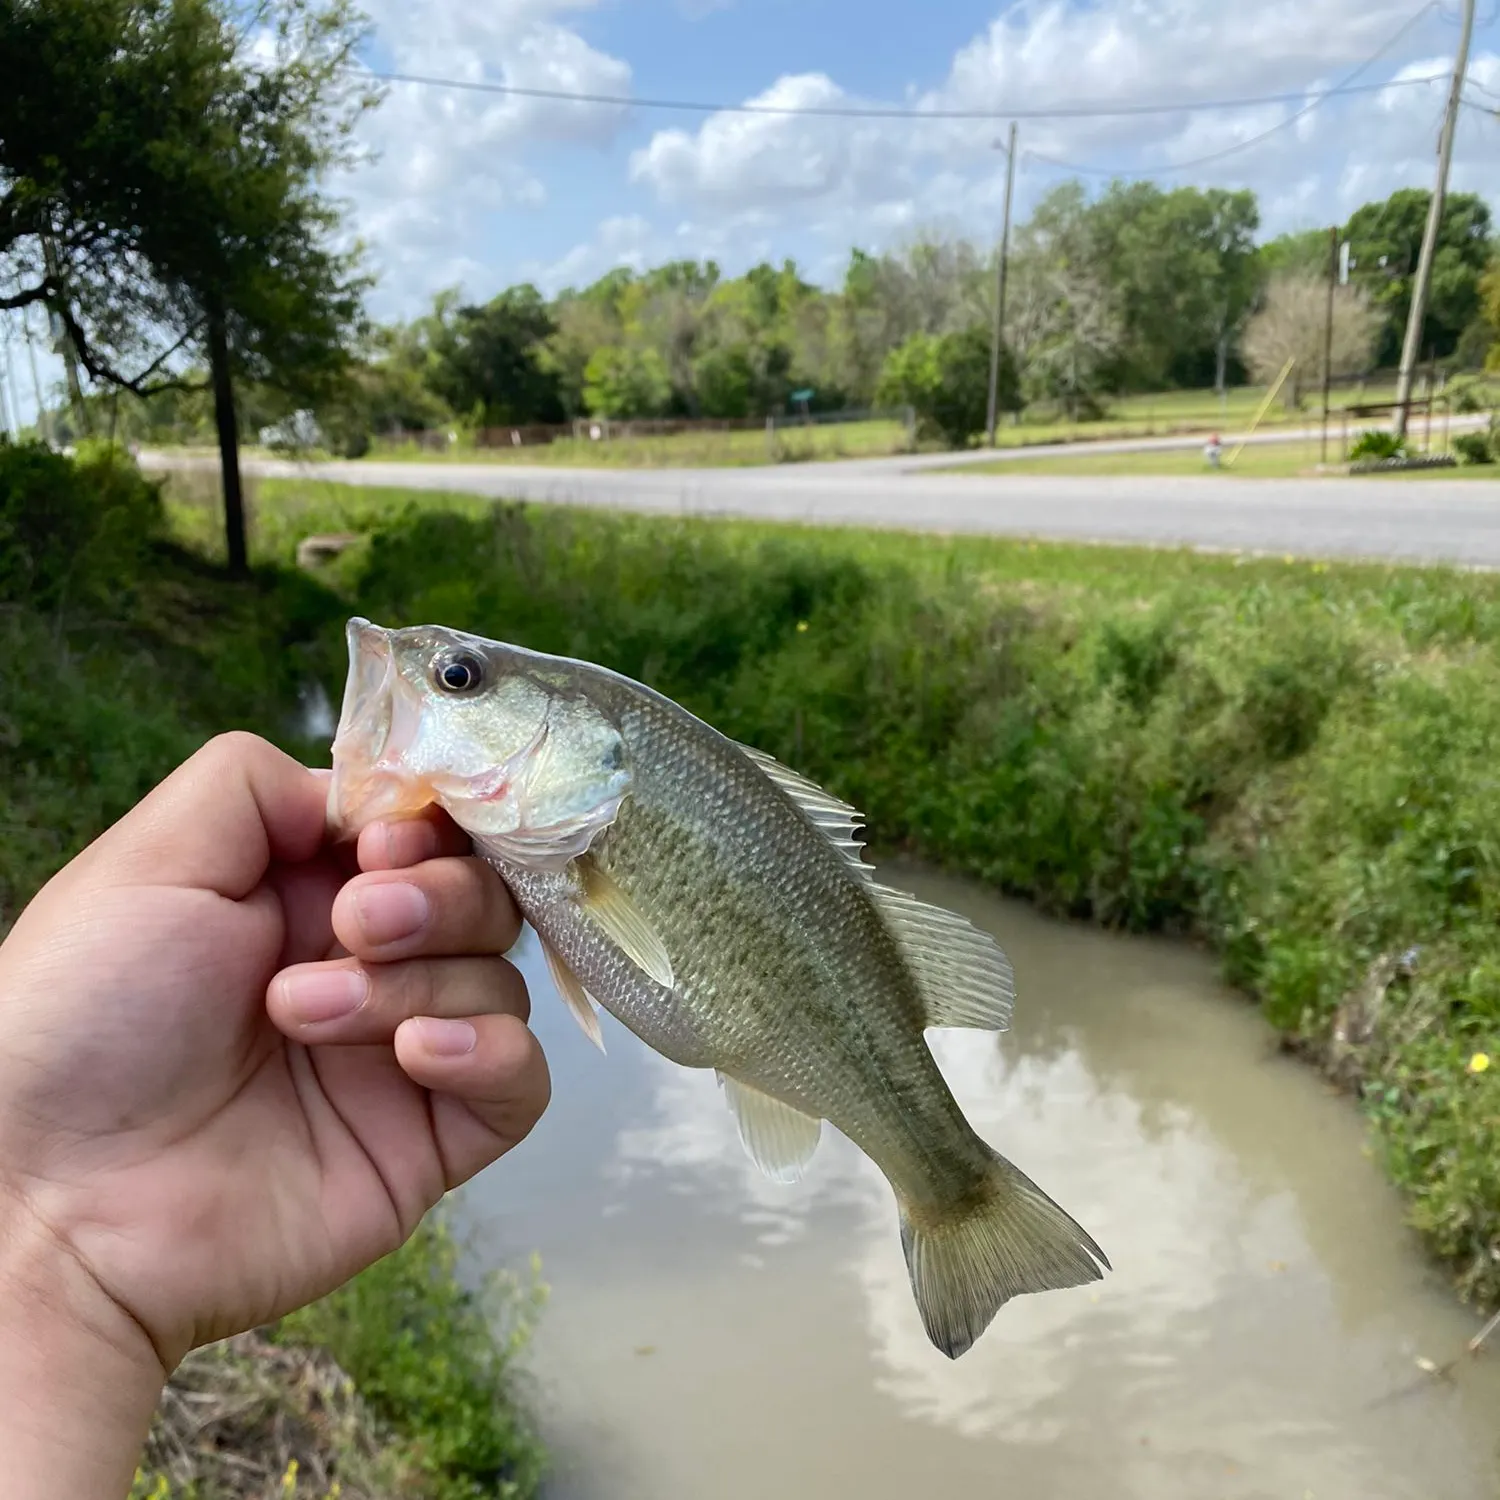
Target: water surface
{"x": 713, "y": 1336}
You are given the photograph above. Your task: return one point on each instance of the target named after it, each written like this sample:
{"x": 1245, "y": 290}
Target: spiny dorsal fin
{"x": 964, "y": 976}
{"x": 624, "y": 923}
{"x": 780, "y": 1139}
{"x": 574, "y": 996}
{"x": 835, "y": 819}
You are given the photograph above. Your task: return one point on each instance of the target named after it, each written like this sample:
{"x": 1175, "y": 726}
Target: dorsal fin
{"x": 834, "y": 819}
{"x": 963, "y": 974}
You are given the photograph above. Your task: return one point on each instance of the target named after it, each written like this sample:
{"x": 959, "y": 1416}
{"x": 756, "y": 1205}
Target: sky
{"x": 479, "y": 190}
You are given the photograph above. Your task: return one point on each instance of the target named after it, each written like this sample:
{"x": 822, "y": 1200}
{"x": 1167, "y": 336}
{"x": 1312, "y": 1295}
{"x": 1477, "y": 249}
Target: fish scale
{"x": 716, "y": 904}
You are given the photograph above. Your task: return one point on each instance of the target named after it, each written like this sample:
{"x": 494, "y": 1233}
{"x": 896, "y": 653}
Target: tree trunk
{"x": 229, "y": 445}
{"x": 1221, "y": 362}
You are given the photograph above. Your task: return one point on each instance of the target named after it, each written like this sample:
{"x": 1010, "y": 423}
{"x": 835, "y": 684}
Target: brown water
{"x": 714, "y": 1335}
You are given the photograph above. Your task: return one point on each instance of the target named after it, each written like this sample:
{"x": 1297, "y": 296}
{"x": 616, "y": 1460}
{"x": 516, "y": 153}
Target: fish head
{"x": 504, "y": 740}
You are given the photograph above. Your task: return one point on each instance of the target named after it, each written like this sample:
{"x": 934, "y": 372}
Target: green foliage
{"x": 438, "y": 1363}
{"x": 1385, "y": 243}
{"x": 486, "y": 360}
{"x": 626, "y": 383}
{"x": 945, "y": 380}
{"x": 1473, "y": 448}
{"x": 188, "y": 192}
{"x": 1377, "y": 443}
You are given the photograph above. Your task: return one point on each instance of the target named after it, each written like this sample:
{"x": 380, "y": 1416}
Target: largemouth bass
{"x": 718, "y": 905}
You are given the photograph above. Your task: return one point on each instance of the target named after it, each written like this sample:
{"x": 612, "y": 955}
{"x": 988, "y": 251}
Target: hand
{"x": 230, "y": 1075}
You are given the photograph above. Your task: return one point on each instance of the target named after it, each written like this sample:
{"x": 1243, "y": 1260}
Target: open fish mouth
{"x": 378, "y": 722}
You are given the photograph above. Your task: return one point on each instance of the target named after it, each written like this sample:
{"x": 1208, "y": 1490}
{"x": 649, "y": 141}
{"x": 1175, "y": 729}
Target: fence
{"x": 617, "y": 429}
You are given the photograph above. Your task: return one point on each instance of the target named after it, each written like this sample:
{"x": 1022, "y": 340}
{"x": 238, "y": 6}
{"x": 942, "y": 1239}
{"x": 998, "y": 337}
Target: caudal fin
{"x": 967, "y": 1265}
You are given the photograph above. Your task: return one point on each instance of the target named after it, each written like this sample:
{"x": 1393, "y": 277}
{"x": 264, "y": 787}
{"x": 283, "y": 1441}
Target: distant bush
{"x": 71, "y": 526}
{"x": 946, "y": 380}
{"x": 1473, "y": 448}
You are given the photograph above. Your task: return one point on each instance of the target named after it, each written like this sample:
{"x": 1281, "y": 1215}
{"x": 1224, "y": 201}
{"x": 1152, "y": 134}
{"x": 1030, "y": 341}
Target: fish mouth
{"x": 378, "y": 722}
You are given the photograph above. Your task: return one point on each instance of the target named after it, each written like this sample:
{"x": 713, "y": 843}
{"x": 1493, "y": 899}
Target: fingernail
{"x": 446, "y": 1038}
{"x": 324, "y": 994}
{"x": 386, "y": 913}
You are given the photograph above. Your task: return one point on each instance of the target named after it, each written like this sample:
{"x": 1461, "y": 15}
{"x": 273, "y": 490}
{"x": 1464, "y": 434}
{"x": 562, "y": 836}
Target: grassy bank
{"x": 120, "y": 653}
{"x": 1292, "y": 761}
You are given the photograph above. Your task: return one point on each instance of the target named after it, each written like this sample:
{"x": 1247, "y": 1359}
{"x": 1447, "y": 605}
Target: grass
{"x": 1281, "y": 460}
{"x": 1291, "y": 761}
{"x": 122, "y": 651}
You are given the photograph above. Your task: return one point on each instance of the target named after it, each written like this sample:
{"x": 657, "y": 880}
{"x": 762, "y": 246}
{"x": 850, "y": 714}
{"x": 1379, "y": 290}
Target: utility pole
{"x": 1411, "y": 349}
{"x": 995, "y": 338}
{"x": 1333, "y": 279}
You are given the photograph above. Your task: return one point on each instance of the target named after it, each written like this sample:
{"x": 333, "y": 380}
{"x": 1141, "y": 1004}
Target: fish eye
{"x": 461, "y": 673}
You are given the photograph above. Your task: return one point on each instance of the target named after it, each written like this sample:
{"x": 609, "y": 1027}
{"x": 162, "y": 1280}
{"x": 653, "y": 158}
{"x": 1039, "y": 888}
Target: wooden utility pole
{"x": 1333, "y": 281}
{"x": 1411, "y": 349}
{"x": 1000, "y": 272}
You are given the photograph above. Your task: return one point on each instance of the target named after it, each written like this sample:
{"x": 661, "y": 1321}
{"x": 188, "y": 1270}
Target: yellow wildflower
{"x": 1479, "y": 1063}
{"x": 801, "y": 627}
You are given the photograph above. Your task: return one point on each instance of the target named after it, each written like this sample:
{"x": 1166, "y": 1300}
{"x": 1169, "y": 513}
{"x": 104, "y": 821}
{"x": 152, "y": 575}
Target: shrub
{"x": 1377, "y": 445}
{"x": 436, "y": 1362}
{"x": 945, "y": 380}
{"x": 1473, "y": 448}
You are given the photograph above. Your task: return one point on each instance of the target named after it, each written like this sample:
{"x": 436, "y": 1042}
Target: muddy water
{"x": 712, "y": 1336}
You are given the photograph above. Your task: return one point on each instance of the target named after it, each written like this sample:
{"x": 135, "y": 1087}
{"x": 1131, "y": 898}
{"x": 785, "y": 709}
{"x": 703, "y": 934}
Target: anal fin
{"x": 575, "y": 997}
{"x": 780, "y": 1140}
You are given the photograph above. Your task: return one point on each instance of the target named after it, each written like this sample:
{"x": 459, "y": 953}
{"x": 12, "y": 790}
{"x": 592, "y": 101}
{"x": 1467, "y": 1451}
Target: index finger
{"x": 218, "y": 820}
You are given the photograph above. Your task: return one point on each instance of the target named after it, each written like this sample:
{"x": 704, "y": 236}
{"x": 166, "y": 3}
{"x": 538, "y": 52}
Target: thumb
{"x": 217, "y": 821}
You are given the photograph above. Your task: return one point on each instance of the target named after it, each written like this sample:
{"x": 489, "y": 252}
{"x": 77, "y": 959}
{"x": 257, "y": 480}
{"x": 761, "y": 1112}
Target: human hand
{"x": 191, "y": 1142}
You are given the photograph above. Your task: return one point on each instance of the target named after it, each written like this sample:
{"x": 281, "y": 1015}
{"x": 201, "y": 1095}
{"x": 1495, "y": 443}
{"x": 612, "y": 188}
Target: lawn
{"x": 1300, "y": 457}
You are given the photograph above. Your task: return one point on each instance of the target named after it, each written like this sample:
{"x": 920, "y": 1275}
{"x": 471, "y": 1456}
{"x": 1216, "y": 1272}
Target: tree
{"x": 627, "y": 383}
{"x": 178, "y": 222}
{"x": 488, "y": 361}
{"x": 1290, "y": 325}
{"x": 1385, "y": 240}
{"x": 1063, "y": 327}
{"x": 945, "y": 380}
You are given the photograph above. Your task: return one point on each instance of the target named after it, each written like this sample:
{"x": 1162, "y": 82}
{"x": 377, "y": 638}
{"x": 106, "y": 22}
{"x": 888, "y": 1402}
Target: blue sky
{"x": 478, "y": 190}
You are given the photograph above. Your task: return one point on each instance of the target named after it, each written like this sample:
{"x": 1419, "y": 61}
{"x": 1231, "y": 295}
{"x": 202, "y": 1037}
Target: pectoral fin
{"x": 624, "y": 923}
{"x": 780, "y": 1139}
{"x": 575, "y": 997}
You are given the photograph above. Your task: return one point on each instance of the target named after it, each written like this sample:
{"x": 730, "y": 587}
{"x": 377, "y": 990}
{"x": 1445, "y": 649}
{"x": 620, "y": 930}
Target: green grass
{"x": 1283, "y": 460}
{"x": 1255, "y": 461}
{"x": 1292, "y": 761}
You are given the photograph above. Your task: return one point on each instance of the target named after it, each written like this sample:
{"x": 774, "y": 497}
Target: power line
{"x": 863, "y": 112}
{"x": 1346, "y": 85}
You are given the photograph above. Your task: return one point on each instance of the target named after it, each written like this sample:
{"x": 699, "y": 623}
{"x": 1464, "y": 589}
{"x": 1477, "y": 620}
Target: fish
{"x": 719, "y": 906}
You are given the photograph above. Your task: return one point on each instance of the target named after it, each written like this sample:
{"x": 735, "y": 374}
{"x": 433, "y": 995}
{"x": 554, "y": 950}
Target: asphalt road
{"x": 1428, "y": 520}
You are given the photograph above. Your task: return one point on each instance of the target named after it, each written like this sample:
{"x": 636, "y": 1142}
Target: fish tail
{"x": 967, "y": 1263}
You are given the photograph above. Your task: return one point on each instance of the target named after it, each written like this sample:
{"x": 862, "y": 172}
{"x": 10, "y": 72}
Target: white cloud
{"x": 447, "y": 160}
{"x": 858, "y": 179}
